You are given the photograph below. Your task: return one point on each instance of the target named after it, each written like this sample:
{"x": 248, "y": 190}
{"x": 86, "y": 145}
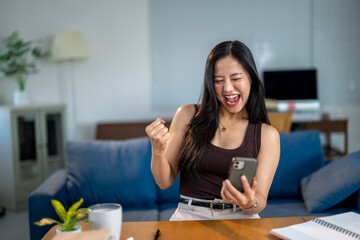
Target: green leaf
{"x": 82, "y": 212}
{"x": 19, "y": 51}
{"x": 22, "y": 52}
{"x": 11, "y": 39}
{"x": 38, "y": 53}
{"x": 69, "y": 227}
{"x": 73, "y": 216}
{"x": 72, "y": 220}
{"x": 60, "y": 210}
{"x": 5, "y": 56}
{"x": 82, "y": 221}
{"x": 76, "y": 205}
{"x": 46, "y": 221}
{"x": 72, "y": 213}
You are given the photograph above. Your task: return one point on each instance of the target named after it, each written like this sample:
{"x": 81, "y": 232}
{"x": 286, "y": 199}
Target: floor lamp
{"x": 69, "y": 46}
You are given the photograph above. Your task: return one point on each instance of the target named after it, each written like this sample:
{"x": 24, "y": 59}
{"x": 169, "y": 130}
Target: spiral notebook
{"x": 340, "y": 226}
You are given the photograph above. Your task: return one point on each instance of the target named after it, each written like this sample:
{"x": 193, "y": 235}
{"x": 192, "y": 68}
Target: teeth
{"x": 232, "y": 96}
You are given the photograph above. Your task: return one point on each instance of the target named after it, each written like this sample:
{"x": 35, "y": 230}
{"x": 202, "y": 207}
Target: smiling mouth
{"x": 232, "y": 99}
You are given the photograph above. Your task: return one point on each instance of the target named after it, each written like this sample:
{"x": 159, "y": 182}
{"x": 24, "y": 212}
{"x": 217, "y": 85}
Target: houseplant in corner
{"x": 18, "y": 61}
{"x": 71, "y": 218}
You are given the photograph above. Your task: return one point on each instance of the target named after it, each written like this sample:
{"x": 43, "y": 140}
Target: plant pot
{"x": 76, "y": 229}
{"x": 21, "y": 98}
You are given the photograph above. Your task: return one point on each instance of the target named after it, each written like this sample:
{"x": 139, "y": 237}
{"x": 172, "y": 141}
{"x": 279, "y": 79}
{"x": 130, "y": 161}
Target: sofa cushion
{"x": 284, "y": 208}
{"x": 140, "y": 215}
{"x": 111, "y": 171}
{"x": 296, "y": 207}
{"x": 171, "y": 194}
{"x": 301, "y": 154}
{"x": 166, "y": 210}
{"x": 332, "y": 183}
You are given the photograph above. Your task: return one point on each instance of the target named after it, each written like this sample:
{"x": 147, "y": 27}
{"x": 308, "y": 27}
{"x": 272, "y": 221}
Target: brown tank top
{"x": 215, "y": 163}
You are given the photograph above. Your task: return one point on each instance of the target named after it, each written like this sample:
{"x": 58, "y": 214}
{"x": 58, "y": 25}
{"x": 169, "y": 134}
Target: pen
{"x": 157, "y": 234}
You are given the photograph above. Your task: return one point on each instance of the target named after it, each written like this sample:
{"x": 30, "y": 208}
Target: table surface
{"x": 208, "y": 229}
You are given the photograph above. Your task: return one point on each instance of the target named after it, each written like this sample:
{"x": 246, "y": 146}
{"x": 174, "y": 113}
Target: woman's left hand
{"x": 231, "y": 195}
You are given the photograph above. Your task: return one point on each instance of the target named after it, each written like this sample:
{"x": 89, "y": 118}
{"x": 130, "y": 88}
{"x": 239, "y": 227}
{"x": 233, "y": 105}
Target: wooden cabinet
{"x": 327, "y": 127}
{"x": 32, "y": 147}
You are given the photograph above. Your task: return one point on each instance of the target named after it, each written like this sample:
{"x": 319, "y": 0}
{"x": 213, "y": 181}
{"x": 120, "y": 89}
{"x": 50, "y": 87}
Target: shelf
{"x": 28, "y": 136}
{"x": 27, "y": 163}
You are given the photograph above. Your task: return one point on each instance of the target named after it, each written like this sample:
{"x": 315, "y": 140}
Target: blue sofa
{"x": 119, "y": 171}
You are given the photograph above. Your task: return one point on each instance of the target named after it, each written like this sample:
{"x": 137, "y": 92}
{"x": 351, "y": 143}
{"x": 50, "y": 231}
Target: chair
{"x": 280, "y": 120}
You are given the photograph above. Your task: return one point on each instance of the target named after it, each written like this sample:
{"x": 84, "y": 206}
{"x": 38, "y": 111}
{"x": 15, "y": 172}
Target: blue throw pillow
{"x": 331, "y": 184}
{"x": 301, "y": 154}
{"x": 111, "y": 171}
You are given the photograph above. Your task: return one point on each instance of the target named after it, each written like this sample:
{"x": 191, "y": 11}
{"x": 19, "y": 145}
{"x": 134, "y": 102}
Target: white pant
{"x": 189, "y": 212}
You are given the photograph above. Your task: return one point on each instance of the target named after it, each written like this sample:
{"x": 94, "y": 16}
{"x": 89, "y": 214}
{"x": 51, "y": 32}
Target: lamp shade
{"x": 68, "y": 46}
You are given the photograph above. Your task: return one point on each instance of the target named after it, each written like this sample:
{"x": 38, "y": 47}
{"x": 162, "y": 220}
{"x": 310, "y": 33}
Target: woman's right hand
{"x": 158, "y": 134}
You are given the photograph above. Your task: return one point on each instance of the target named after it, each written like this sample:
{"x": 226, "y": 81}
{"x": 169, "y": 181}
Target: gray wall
{"x": 183, "y": 32}
{"x": 282, "y": 34}
{"x": 138, "y": 47}
{"x": 336, "y": 50}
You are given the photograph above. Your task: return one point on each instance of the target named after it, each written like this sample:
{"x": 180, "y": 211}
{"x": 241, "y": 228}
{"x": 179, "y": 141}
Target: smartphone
{"x": 242, "y": 166}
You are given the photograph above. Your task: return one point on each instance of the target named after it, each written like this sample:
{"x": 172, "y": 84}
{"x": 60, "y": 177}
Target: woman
{"x": 231, "y": 120}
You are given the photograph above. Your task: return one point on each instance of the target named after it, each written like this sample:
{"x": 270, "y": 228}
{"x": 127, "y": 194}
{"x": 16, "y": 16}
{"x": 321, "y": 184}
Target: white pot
{"x": 21, "y": 98}
{"x": 76, "y": 229}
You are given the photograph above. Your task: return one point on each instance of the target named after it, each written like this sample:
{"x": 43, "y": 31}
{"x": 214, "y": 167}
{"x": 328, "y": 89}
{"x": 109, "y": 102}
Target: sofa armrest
{"x": 40, "y": 202}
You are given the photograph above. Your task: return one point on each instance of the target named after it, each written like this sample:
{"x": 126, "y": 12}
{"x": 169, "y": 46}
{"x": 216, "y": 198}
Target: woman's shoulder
{"x": 269, "y": 132}
{"x": 185, "y": 113}
{"x": 187, "y": 110}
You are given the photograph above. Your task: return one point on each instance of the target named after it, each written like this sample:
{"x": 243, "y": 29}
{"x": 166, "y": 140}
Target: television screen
{"x": 290, "y": 84}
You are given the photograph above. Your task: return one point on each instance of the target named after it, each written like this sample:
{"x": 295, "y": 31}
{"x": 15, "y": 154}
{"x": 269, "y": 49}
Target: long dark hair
{"x": 205, "y": 122}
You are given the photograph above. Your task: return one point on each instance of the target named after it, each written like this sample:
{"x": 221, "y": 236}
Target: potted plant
{"x": 71, "y": 218}
{"x": 18, "y": 61}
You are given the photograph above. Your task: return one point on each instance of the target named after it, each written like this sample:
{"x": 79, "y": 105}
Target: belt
{"x": 213, "y": 204}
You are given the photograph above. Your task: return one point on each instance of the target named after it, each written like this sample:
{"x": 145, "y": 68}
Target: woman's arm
{"x": 166, "y": 145}
{"x": 268, "y": 159}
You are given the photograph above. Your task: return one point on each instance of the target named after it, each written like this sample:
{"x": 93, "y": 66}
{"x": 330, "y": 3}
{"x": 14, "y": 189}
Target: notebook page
{"x": 350, "y": 221}
{"x": 309, "y": 230}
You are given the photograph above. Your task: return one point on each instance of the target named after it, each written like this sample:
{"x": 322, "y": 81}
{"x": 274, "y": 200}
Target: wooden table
{"x": 215, "y": 229}
{"x": 327, "y": 127}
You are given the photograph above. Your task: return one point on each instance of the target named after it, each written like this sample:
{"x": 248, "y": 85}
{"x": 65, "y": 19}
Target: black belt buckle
{"x": 217, "y": 205}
